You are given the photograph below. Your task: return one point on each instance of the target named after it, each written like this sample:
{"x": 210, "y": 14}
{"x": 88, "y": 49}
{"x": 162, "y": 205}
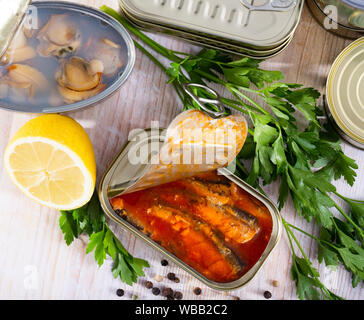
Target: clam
{"x": 108, "y": 52}
{"x": 28, "y": 30}
{"x": 55, "y": 99}
{"x": 22, "y": 82}
{"x": 79, "y": 79}
{"x": 19, "y": 50}
{"x": 21, "y": 54}
{"x": 71, "y": 96}
{"x": 59, "y": 37}
{"x": 19, "y": 40}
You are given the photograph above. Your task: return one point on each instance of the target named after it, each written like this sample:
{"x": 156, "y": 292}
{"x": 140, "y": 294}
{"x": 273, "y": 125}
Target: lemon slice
{"x": 52, "y": 161}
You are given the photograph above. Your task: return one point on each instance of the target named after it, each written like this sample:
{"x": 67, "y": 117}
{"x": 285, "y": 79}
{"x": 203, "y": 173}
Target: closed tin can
{"x": 345, "y": 93}
{"x": 123, "y": 169}
{"x": 258, "y": 30}
{"x": 212, "y": 43}
{"x": 343, "y": 17}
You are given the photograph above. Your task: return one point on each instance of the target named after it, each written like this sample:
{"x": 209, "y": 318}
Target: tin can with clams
{"x": 40, "y": 40}
{"x": 345, "y": 93}
{"x": 123, "y": 169}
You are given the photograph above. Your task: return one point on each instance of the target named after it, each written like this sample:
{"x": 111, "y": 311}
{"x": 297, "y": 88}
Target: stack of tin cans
{"x": 255, "y": 28}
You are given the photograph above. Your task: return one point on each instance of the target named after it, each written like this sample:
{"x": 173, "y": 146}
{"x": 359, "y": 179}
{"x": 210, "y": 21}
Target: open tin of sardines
{"x": 213, "y": 225}
{"x": 60, "y": 56}
{"x": 256, "y": 28}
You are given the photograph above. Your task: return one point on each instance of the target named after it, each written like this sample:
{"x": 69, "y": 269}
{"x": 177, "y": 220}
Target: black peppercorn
{"x": 149, "y": 285}
{"x": 167, "y": 292}
{"x": 197, "y": 291}
{"x": 267, "y": 295}
{"x": 164, "y": 263}
{"x": 178, "y": 295}
{"x": 156, "y": 291}
{"x": 120, "y": 292}
{"x": 171, "y": 276}
{"x": 169, "y": 297}
{"x": 176, "y": 280}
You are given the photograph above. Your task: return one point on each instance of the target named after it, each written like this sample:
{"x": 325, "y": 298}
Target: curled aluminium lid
{"x": 230, "y": 20}
{"x": 345, "y": 93}
{"x": 11, "y": 15}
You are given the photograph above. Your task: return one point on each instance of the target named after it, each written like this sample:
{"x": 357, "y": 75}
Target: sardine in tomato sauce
{"x": 207, "y": 221}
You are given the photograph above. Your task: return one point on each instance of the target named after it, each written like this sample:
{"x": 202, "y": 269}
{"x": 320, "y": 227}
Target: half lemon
{"x": 52, "y": 161}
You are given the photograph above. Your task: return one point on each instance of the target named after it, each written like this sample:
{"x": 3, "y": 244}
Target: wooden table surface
{"x": 37, "y": 264}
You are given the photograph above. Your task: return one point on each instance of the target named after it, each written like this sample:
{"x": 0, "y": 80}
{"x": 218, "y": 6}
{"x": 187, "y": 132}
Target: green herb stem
{"x": 148, "y": 41}
{"x": 360, "y": 231}
{"x": 322, "y": 287}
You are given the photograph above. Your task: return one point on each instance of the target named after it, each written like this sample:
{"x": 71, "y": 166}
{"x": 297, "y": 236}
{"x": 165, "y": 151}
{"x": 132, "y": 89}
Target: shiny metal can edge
{"x": 343, "y": 31}
{"x": 211, "y": 43}
{"x": 350, "y": 137}
{"x": 177, "y": 32}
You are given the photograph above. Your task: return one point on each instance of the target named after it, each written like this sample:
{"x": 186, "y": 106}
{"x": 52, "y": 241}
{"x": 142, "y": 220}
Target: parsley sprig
{"x": 90, "y": 219}
{"x": 306, "y": 161}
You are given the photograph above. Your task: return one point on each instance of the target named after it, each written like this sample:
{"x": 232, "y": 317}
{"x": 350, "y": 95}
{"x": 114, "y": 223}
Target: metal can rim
{"x": 342, "y": 30}
{"x": 329, "y": 99}
{"x": 124, "y": 5}
{"x": 244, "y": 51}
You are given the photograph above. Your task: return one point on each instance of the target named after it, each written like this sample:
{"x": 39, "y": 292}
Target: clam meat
{"x": 19, "y": 50}
{"x": 108, "y": 52}
{"x": 22, "y": 82}
{"x": 79, "y": 79}
{"x": 59, "y": 37}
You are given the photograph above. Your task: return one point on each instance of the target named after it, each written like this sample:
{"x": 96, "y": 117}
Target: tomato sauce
{"x": 207, "y": 221}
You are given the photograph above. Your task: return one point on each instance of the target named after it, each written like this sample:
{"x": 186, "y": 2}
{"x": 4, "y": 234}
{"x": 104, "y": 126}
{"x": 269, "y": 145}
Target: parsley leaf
{"x": 303, "y": 273}
{"x": 90, "y": 219}
{"x": 68, "y": 226}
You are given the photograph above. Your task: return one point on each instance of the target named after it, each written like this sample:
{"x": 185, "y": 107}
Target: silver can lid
{"x": 11, "y": 16}
{"x": 345, "y": 93}
{"x": 257, "y": 24}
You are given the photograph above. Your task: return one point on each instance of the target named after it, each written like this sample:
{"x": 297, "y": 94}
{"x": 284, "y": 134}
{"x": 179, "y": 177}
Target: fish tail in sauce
{"x": 190, "y": 240}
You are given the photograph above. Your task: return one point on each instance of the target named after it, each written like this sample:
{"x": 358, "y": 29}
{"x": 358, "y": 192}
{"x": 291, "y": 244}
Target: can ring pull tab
{"x": 270, "y": 5}
{"x": 215, "y": 101}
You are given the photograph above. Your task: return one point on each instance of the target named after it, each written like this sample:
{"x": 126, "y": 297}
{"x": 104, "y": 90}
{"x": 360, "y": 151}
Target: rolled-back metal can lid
{"x": 345, "y": 93}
